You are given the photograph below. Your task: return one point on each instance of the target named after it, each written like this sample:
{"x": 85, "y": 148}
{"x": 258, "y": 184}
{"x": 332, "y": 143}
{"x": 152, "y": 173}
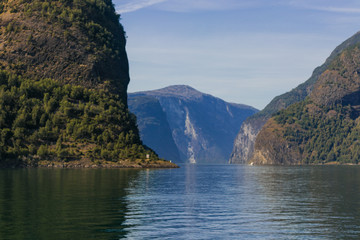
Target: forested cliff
{"x": 245, "y": 141}
{"x": 63, "y": 82}
{"x": 324, "y": 128}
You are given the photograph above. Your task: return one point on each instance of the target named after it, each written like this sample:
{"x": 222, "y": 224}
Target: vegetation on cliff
{"x": 245, "y": 141}
{"x": 322, "y": 134}
{"x": 75, "y": 41}
{"x": 63, "y": 80}
{"x": 47, "y": 120}
{"x": 325, "y": 127}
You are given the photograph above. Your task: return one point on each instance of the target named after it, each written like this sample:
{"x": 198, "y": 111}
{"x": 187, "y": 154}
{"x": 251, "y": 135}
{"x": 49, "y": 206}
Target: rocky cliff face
{"x": 154, "y": 127}
{"x": 245, "y": 141}
{"x": 271, "y": 149}
{"x": 323, "y": 128}
{"x": 203, "y": 127}
{"x": 78, "y": 42}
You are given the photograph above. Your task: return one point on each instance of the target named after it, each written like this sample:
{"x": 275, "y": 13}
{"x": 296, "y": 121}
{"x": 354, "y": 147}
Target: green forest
{"x": 95, "y": 17}
{"x": 83, "y": 41}
{"x": 46, "y": 119}
{"x": 323, "y": 134}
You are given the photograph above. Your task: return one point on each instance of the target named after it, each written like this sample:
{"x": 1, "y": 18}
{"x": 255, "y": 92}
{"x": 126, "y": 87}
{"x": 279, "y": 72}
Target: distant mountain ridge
{"x": 203, "y": 127}
{"x": 180, "y": 91}
{"x": 154, "y": 127}
{"x": 184, "y": 92}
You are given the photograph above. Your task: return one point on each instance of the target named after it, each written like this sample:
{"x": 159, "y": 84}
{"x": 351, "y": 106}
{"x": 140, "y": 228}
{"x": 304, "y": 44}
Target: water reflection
{"x": 63, "y": 204}
{"x": 217, "y": 202}
{"x": 193, "y": 202}
{"x": 316, "y": 202}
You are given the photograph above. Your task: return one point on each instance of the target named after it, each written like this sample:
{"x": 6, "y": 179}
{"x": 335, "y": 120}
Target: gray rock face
{"x": 245, "y": 141}
{"x": 203, "y": 127}
{"x": 153, "y": 126}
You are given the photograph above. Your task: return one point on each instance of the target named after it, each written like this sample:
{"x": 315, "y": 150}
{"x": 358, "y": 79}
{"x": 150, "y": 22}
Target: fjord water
{"x": 193, "y": 202}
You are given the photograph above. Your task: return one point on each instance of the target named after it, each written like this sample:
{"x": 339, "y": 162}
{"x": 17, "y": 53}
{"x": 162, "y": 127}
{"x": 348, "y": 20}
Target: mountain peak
{"x": 181, "y": 91}
{"x": 184, "y": 92}
{"x": 202, "y": 127}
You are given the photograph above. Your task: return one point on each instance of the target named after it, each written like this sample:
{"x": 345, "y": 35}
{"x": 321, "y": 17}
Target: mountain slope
{"x": 245, "y": 140}
{"x": 323, "y": 128}
{"x": 63, "y": 80}
{"x": 153, "y": 126}
{"x": 78, "y": 42}
{"x": 203, "y": 127}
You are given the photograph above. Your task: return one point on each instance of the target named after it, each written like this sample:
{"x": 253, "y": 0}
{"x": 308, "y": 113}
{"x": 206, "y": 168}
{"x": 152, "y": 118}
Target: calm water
{"x": 194, "y": 202}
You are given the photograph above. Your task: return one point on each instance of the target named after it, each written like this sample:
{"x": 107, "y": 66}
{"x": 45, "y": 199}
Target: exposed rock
{"x": 245, "y": 140}
{"x": 203, "y": 127}
{"x": 154, "y": 128}
{"x": 79, "y": 42}
{"x": 271, "y": 149}
{"x": 340, "y": 83}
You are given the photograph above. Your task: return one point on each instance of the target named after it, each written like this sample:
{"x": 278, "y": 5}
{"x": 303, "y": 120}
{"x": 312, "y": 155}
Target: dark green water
{"x": 193, "y": 202}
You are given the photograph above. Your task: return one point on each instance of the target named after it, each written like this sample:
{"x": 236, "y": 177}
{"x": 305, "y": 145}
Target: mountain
{"x": 245, "y": 141}
{"x": 203, "y": 127}
{"x": 63, "y": 87}
{"x": 154, "y": 127}
{"x": 78, "y": 42}
{"x": 324, "y": 128}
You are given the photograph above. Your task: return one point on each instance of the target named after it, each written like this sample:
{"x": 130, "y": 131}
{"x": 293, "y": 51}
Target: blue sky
{"x": 243, "y": 51}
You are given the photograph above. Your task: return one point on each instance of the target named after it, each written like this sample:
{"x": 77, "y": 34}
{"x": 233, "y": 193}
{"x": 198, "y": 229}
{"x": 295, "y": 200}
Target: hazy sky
{"x": 243, "y": 51}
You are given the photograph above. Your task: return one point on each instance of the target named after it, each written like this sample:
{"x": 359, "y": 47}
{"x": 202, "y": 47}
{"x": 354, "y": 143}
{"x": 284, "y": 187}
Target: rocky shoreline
{"x": 137, "y": 164}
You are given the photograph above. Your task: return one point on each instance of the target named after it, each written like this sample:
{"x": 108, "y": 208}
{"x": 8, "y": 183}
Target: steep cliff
{"x": 77, "y": 42}
{"x": 154, "y": 127}
{"x": 245, "y": 141}
{"x": 63, "y": 80}
{"x": 325, "y": 126}
{"x": 203, "y": 127}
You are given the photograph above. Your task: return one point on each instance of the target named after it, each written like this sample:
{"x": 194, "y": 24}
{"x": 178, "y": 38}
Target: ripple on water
{"x": 193, "y": 202}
